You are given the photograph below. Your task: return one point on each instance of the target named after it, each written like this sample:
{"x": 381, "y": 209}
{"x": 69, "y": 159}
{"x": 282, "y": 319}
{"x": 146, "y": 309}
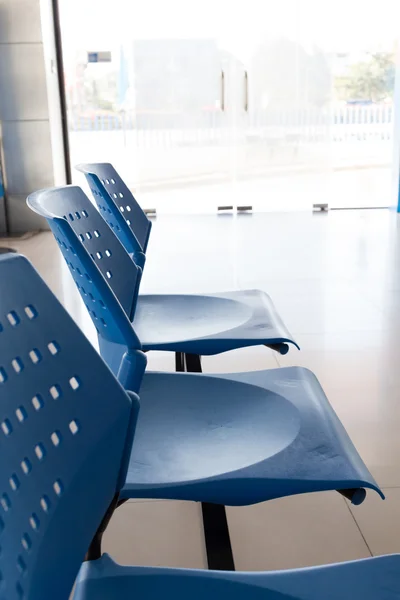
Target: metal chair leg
{"x": 94, "y": 551}
{"x": 179, "y": 362}
{"x": 192, "y": 363}
{"x": 215, "y": 523}
{"x": 218, "y": 541}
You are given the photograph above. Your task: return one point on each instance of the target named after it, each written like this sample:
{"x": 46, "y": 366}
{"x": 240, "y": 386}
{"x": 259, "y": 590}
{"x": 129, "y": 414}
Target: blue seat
{"x": 307, "y": 449}
{"x": 247, "y": 319}
{"x": 195, "y": 325}
{"x": 61, "y": 445}
{"x": 66, "y": 431}
{"x": 239, "y": 439}
{"x": 369, "y": 579}
{"x": 260, "y": 435}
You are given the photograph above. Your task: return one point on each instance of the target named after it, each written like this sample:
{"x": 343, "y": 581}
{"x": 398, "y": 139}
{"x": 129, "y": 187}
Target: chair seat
{"x": 369, "y": 579}
{"x": 208, "y": 324}
{"x": 239, "y": 439}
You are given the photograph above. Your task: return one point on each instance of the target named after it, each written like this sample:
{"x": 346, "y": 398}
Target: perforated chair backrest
{"x": 118, "y": 206}
{"x": 97, "y": 260}
{"x": 65, "y": 426}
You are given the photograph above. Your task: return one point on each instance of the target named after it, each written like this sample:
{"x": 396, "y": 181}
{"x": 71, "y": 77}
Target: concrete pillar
{"x": 27, "y": 79}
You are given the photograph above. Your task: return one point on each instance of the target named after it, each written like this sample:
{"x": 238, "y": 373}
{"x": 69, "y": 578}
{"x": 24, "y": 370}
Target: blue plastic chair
{"x": 66, "y": 430}
{"x": 190, "y": 324}
{"x": 245, "y": 318}
{"x": 63, "y": 435}
{"x": 119, "y": 208}
{"x": 368, "y": 579}
{"x": 280, "y": 419}
{"x": 270, "y": 433}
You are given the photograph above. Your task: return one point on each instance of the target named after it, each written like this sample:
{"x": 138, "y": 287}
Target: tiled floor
{"x": 336, "y": 281}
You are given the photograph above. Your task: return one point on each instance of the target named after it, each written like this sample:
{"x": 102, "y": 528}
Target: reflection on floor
{"x": 336, "y": 281}
{"x": 191, "y": 175}
{"x": 348, "y": 188}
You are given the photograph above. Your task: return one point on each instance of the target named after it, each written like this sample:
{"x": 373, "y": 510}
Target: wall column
{"x": 27, "y": 74}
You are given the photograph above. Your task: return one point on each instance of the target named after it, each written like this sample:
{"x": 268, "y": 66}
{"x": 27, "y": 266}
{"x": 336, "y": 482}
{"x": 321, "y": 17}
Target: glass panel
{"x": 277, "y": 105}
{"x": 284, "y": 121}
{"x": 318, "y": 128}
{"x": 160, "y": 109}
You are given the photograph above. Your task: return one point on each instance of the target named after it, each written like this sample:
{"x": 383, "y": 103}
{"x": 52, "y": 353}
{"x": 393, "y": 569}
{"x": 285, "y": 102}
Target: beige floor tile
{"x": 370, "y": 412}
{"x": 379, "y": 446}
{"x": 300, "y": 531}
{"x": 338, "y": 291}
{"x": 244, "y": 359}
{"x": 367, "y": 340}
{"x": 363, "y": 385}
{"x": 339, "y": 368}
{"x": 332, "y": 312}
{"x": 352, "y": 373}
{"x": 380, "y": 522}
{"x": 158, "y": 533}
{"x": 287, "y": 288}
{"x": 160, "y": 361}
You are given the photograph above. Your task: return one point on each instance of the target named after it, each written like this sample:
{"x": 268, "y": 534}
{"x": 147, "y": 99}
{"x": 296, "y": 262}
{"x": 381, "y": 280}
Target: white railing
{"x": 348, "y": 123}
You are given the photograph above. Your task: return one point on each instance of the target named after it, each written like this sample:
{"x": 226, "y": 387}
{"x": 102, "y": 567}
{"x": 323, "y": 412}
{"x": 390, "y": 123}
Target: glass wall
{"x": 276, "y": 105}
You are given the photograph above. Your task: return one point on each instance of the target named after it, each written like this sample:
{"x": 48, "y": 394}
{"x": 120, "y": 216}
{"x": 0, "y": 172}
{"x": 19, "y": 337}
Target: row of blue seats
{"x": 80, "y": 433}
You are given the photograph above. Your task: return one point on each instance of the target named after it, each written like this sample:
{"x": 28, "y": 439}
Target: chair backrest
{"x": 65, "y": 427}
{"x": 96, "y": 259}
{"x": 119, "y": 208}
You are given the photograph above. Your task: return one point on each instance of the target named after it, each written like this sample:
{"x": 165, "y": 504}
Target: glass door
{"x": 149, "y": 88}
{"x": 314, "y": 110}
{"x": 318, "y": 113}
{"x": 178, "y": 123}
{"x": 283, "y": 156}
{"x": 273, "y": 105}
{"x": 363, "y": 66}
